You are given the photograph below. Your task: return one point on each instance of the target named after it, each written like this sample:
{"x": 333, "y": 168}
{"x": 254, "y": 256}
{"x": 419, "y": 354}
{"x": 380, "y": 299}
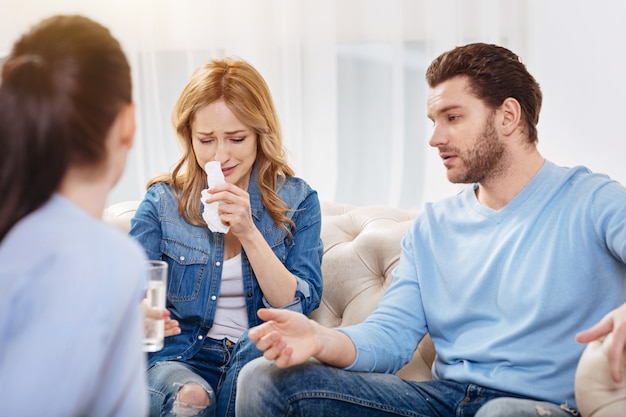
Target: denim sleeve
{"x": 304, "y": 259}
{"x": 145, "y": 226}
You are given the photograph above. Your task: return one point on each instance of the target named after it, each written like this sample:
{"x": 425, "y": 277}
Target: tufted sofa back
{"x": 361, "y": 249}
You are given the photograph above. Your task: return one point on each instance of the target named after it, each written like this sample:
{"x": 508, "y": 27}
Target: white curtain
{"x": 347, "y": 76}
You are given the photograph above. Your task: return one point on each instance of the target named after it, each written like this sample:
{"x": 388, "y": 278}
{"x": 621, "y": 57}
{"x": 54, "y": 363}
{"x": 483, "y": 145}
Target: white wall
{"x": 578, "y": 55}
{"x": 575, "y": 49}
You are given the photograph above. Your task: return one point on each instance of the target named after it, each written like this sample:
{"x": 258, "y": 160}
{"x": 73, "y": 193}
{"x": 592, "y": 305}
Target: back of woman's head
{"x": 248, "y": 96}
{"x": 62, "y": 87}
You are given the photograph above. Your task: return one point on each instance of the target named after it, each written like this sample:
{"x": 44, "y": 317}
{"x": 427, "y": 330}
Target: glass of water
{"x": 155, "y": 296}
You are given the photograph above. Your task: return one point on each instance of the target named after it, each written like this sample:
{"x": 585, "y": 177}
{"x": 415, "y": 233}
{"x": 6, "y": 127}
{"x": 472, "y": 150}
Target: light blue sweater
{"x": 70, "y": 325}
{"x": 503, "y": 292}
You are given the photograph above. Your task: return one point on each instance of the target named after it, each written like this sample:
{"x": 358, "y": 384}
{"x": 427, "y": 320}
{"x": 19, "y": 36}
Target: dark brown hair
{"x": 495, "y": 74}
{"x": 62, "y": 87}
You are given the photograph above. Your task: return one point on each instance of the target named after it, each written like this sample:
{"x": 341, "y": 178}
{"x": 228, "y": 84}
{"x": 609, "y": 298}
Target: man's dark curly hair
{"x": 495, "y": 74}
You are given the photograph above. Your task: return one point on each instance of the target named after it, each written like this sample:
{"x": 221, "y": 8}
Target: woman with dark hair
{"x": 70, "y": 286}
{"x": 263, "y": 249}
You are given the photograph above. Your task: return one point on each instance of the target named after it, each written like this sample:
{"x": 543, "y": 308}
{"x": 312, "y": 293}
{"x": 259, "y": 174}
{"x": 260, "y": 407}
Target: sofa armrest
{"x": 119, "y": 214}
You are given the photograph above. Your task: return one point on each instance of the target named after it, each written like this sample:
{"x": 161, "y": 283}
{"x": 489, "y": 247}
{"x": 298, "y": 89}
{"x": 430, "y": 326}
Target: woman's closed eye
{"x": 205, "y": 140}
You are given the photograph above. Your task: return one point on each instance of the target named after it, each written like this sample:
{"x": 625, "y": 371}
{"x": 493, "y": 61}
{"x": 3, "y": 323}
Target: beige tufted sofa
{"x": 361, "y": 248}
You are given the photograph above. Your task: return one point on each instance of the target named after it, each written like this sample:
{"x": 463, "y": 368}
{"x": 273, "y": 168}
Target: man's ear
{"x": 127, "y": 125}
{"x": 511, "y": 116}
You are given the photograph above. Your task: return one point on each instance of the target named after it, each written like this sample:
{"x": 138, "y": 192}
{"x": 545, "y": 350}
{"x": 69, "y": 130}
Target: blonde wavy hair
{"x": 246, "y": 93}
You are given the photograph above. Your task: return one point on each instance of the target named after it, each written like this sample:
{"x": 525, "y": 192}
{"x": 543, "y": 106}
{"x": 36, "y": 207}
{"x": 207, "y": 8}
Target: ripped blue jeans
{"x": 313, "y": 389}
{"x": 215, "y": 368}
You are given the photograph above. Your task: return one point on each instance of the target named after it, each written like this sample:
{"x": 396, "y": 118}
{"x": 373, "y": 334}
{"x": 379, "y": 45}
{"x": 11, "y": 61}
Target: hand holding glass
{"x": 155, "y": 299}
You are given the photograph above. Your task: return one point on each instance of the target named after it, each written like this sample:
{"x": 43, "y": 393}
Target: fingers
{"x": 271, "y": 344}
{"x": 284, "y": 359}
{"x": 233, "y": 200}
{"x": 156, "y": 313}
{"x": 617, "y": 355}
{"x": 615, "y": 325}
{"x": 275, "y": 349}
{"x": 272, "y": 317}
{"x": 265, "y": 335}
{"x": 264, "y": 314}
{"x": 171, "y": 327}
{"x": 233, "y": 208}
{"x": 596, "y": 332}
{"x": 226, "y": 193}
{"x": 274, "y": 314}
{"x": 257, "y": 333}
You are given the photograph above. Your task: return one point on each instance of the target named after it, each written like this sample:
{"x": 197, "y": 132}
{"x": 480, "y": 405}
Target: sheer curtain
{"x": 347, "y": 77}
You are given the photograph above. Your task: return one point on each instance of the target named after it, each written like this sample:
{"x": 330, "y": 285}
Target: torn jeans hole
{"x": 182, "y": 409}
{"x": 186, "y": 410}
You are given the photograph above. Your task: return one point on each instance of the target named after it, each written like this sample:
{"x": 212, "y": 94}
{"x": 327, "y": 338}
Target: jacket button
{"x": 213, "y": 297}
{"x": 182, "y": 258}
{"x": 249, "y": 294}
{"x": 217, "y": 263}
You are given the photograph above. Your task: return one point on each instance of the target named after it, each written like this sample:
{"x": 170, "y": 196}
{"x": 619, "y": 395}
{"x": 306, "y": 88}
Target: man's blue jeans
{"x": 313, "y": 389}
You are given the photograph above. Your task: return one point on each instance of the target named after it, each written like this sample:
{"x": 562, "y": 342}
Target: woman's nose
{"x": 221, "y": 152}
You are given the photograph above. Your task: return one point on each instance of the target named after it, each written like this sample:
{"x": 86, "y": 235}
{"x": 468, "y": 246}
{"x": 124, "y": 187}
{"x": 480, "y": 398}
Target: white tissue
{"x": 214, "y": 176}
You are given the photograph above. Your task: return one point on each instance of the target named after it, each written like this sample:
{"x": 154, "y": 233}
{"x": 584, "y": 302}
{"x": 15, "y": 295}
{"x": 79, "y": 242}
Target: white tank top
{"x": 231, "y": 319}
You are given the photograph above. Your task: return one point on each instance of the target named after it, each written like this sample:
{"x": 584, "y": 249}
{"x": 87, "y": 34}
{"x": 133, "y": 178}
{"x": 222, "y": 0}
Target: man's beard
{"x": 482, "y": 161}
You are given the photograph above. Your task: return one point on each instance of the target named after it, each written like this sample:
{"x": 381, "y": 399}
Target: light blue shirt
{"x": 70, "y": 325}
{"x": 503, "y": 292}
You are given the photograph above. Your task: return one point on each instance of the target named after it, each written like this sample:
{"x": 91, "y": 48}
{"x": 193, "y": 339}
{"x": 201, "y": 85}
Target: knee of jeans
{"x": 254, "y": 378}
{"x": 191, "y": 400}
{"x": 506, "y": 406}
{"x": 495, "y": 407}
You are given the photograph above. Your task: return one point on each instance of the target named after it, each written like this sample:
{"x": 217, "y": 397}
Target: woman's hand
{"x": 234, "y": 207}
{"x": 171, "y": 327}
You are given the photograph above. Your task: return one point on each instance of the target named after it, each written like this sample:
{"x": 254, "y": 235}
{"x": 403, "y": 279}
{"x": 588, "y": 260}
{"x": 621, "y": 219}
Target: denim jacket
{"x": 195, "y": 256}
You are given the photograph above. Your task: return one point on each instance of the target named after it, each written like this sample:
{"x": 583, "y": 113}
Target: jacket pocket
{"x": 187, "y": 266}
